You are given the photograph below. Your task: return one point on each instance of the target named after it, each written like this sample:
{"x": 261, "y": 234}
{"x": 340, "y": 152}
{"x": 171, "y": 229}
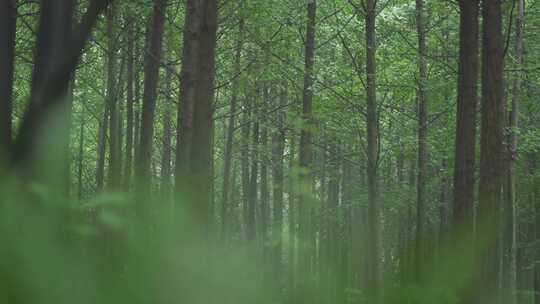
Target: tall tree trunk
{"x": 509, "y": 254}
{"x": 491, "y": 154}
{"x": 252, "y": 204}
{"x": 8, "y": 25}
{"x": 112, "y": 88}
{"x": 292, "y": 217}
{"x": 373, "y": 225}
{"x": 201, "y": 151}
{"x": 129, "y": 102}
{"x": 278, "y": 148}
{"x": 466, "y": 114}
{"x": 167, "y": 137}
{"x": 306, "y": 155}
{"x": 151, "y": 79}
{"x": 188, "y": 77}
{"x": 265, "y": 194}
{"x": 422, "y": 137}
{"x": 333, "y": 224}
{"x": 230, "y": 134}
{"x": 137, "y": 103}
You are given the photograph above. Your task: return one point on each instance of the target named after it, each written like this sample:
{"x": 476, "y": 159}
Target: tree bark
{"x": 151, "y": 79}
{"x": 112, "y": 88}
{"x": 128, "y": 165}
{"x": 102, "y": 149}
{"x": 491, "y": 154}
{"x": 8, "y": 26}
{"x": 465, "y": 151}
{"x": 201, "y": 151}
{"x": 306, "y": 155}
{"x": 167, "y": 137}
{"x": 373, "y": 225}
{"x": 188, "y": 80}
{"x": 278, "y": 148}
{"x": 421, "y": 95}
{"x": 252, "y": 204}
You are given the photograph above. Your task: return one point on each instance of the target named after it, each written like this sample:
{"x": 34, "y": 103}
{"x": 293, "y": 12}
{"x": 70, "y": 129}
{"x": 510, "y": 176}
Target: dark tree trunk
{"x": 57, "y": 54}
{"x": 8, "y": 23}
{"x": 491, "y": 154}
{"x": 252, "y": 204}
{"x": 188, "y": 80}
{"x": 151, "y": 78}
{"x": 373, "y": 225}
{"x": 128, "y": 165}
{"x": 306, "y": 155}
{"x": 422, "y": 137}
{"x": 278, "y": 148}
{"x": 112, "y": 89}
{"x": 466, "y": 114}
{"x": 201, "y": 150}
{"x": 265, "y": 194}
{"x": 102, "y": 149}
{"x": 167, "y": 137}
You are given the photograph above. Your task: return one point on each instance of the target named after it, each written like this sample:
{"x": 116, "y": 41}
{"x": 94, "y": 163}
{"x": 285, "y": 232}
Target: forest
{"x": 278, "y": 151}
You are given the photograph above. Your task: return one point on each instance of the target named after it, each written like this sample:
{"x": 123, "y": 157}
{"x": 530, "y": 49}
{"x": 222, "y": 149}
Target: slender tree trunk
{"x": 81, "y": 156}
{"x": 306, "y": 155}
{"x": 102, "y": 149}
{"x": 252, "y": 204}
{"x": 137, "y": 103}
{"x": 151, "y": 79}
{"x": 333, "y": 225}
{"x": 278, "y": 148}
{"x": 291, "y": 280}
{"x": 422, "y": 137}
{"x": 230, "y": 134}
{"x": 114, "y": 132}
{"x": 245, "y": 155}
{"x": 373, "y": 225}
{"x": 265, "y": 194}
{"x": 167, "y": 137}
{"x": 491, "y": 154}
{"x": 509, "y": 257}
{"x": 129, "y": 102}
{"x": 8, "y": 24}
{"x": 187, "y": 95}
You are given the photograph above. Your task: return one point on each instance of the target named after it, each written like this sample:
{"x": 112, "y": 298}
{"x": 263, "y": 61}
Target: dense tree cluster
{"x": 361, "y": 151}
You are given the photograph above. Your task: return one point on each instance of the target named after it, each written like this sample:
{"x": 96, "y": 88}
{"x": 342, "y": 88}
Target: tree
{"x": 466, "y": 113}
{"x": 373, "y": 225}
{"x": 151, "y": 77}
{"x": 491, "y": 148}
{"x": 8, "y": 29}
{"x": 112, "y": 103}
{"x": 130, "y": 101}
{"x": 422, "y": 135}
{"x": 305, "y": 150}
